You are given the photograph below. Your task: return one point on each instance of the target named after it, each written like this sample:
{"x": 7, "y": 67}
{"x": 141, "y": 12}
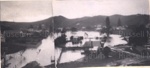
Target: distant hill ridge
{"x": 61, "y": 21}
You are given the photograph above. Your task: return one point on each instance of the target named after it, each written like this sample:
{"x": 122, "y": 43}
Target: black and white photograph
{"x": 74, "y": 33}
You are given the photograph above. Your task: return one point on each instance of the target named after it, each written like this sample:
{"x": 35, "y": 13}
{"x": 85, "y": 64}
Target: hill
{"x": 60, "y": 21}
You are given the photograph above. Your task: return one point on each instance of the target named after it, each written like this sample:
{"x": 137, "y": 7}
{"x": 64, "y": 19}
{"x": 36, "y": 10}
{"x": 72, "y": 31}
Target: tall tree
{"x": 40, "y": 26}
{"x": 108, "y": 26}
{"x": 119, "y": 22}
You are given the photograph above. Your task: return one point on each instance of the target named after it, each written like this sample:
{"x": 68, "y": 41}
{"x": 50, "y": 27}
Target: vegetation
{"x": 139, "y": 39}
{"x": 119, "y": 23}
{"x": 73, "y": 29}
{"x": 108, "y": 26}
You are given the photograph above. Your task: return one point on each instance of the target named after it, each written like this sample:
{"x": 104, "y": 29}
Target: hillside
{"x": 60, "y": 21}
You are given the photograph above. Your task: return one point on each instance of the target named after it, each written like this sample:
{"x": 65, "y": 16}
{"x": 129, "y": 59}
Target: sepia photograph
{"x": 74, "y": 33}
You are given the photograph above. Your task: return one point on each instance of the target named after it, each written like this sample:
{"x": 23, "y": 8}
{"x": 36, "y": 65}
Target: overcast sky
{"x": 27, "y": 11}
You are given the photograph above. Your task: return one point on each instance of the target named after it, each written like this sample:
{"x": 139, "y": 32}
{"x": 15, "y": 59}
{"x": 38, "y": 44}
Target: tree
{"x": 139, "y": 39}
{"x": 108, "y": 26}
{"x": 40, "y": 26}
{"x": 119, "y": 22}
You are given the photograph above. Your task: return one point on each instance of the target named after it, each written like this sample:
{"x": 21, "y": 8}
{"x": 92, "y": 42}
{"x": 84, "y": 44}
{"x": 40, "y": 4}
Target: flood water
{"x": 46, "y": 51}
{"x": 43, "y": 55}
{"x": 69, "y": 56}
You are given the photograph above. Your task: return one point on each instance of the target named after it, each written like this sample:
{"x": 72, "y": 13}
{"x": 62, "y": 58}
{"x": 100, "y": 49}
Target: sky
{"x": 25, "y": 11}
{"x": 29, "y": 11}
